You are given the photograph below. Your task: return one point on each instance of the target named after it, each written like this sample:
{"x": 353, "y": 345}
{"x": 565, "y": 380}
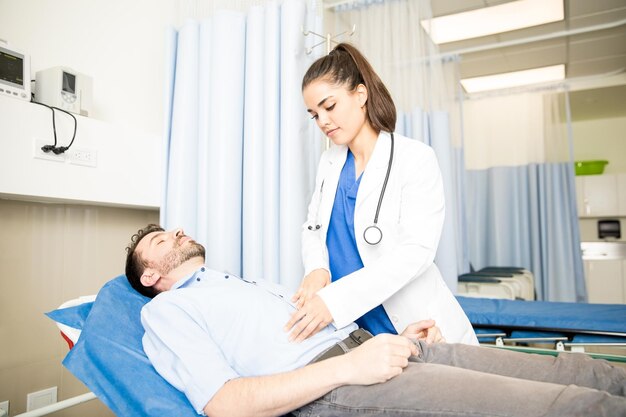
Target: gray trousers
{"x": 461, "y": 380}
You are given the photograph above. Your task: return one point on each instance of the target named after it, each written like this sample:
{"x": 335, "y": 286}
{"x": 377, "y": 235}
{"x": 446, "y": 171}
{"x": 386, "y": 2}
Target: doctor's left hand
{"x": 308, "y": 320}
{"x": 310, "y": 285}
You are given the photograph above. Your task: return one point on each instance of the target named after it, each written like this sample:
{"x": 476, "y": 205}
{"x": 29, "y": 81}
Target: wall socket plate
{"x": 4, "y": 407}
{"x": 39, "y": 399}
{"x": 76, "y": 156}
{"x": 86, "y": 157}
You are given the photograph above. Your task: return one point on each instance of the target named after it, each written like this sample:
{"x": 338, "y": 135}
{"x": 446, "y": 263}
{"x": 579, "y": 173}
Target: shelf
{"x": 125, "y": 173}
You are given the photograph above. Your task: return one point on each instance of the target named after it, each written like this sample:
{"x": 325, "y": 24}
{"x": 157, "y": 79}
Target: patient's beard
{"x": 179, "y": 255}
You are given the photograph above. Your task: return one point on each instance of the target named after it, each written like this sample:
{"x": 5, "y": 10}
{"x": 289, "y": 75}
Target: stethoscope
{"x": 372, "y": 234}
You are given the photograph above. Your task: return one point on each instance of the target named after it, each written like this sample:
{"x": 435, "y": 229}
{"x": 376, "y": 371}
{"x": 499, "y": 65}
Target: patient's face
{"x": 165, "y": 251}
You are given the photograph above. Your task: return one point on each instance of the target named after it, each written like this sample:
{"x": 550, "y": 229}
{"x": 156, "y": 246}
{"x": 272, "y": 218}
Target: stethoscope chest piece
{"x": 373, "y": 235}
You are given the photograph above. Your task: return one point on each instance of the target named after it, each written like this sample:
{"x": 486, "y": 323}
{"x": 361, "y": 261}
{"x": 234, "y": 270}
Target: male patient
{"x": 221, "y": 340}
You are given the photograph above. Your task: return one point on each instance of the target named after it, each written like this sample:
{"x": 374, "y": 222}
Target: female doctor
{"x": 376, "y": 214}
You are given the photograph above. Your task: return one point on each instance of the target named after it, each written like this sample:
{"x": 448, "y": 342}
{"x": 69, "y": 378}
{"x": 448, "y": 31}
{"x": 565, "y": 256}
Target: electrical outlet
{"x": 4, "y": 408}
{"x": 86, "y": 157}
{"x": 49, "y": 156}
{"x": 39, "y": 399}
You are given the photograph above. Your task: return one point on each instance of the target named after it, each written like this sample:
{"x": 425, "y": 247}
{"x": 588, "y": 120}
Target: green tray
{"x": 589, "y": 167}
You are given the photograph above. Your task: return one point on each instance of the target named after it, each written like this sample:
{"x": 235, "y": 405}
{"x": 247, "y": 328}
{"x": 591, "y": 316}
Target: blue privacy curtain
{"x": 520, "y": 190}
{"x": 424, "y": 88}
{"x": 241, "y": 151}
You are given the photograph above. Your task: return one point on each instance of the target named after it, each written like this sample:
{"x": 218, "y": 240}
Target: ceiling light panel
{"x": 491, "y": 20}
{"x": 514, "y": 79}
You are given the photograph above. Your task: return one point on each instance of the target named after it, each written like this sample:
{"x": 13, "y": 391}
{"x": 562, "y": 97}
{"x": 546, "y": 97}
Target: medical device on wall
{"x": 372, "y": 234}
{"x": 64, "y": 88}
{"x": 14, "y": 72}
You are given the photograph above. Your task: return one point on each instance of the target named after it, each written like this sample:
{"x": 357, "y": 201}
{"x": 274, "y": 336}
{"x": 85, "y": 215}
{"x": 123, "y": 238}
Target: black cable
{"x": 65, "y": 148}
{"x": 48, "y": 148}
{"x": 54, "y": 148}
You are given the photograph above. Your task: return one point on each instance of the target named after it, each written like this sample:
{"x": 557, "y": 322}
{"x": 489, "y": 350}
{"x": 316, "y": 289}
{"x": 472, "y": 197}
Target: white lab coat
{"x": 399, "y": 272}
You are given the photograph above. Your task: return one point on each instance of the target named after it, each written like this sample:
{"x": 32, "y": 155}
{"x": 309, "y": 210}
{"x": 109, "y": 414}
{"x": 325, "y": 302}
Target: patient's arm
{"x": 377, "y": 360}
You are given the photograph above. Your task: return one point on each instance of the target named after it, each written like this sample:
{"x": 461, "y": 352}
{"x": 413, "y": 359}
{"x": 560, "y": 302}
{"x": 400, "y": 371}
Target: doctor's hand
{"x": 378, "y": 359}
{"x": 424, "y": 330}
{"x": 308, "y": 320}
{"x": 311, "y": 284}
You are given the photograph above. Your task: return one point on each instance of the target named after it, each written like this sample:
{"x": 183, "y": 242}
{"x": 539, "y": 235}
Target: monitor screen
{"x": 69, "y": 83}
{"x": 11, "y": 68}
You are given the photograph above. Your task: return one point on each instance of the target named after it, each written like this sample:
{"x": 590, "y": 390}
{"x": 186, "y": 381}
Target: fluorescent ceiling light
{"x": 514, "y": 79}
{"x": 495, "y": 19}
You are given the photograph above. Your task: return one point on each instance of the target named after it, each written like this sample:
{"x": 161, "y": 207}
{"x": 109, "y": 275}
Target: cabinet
{"x": 605, "y": 281}
{"x": 621, "y": 194}
{"x": 605, "y": 271}
{"x": 601, "y": 195}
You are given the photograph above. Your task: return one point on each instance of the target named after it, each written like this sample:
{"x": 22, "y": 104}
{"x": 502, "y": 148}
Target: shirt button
{"x": 226, "y": 276}
{"x": 394, "y": 319}
{"x": 203, "y": 269}
{"x": 197, "y": 279}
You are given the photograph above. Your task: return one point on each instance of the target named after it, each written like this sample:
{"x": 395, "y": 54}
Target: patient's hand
{"x": 311, "y": 284}
{"x": 378, "y": 359}
{"x": 424, "y": 330}
{"x": 308, "y": 320}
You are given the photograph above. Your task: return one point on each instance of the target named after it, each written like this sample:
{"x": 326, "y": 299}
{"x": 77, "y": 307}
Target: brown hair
{"x": 135, "y": 266}
{"x": 345, "y": 65}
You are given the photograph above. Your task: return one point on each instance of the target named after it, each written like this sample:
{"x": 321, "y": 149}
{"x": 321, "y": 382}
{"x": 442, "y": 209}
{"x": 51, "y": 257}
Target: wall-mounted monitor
{"x": 14, "y": 73}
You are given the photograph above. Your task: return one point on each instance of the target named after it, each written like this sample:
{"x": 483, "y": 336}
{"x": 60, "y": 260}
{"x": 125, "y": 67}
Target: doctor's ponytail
{"x": 346, "y": 65}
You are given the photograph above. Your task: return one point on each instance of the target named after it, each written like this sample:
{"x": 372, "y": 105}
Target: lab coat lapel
{"x": 333, "y": 170}
{"x": 375, "y": 171}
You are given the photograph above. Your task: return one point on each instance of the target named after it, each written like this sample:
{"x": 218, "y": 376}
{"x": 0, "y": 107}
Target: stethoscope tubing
{"x": 378, "y": 234}
{"x": 382, "y": 191}
{"x": 374, "y": 227}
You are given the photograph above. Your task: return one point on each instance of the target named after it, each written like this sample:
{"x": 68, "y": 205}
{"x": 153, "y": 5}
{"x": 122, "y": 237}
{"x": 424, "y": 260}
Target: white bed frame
{"x": 61, "y": 405}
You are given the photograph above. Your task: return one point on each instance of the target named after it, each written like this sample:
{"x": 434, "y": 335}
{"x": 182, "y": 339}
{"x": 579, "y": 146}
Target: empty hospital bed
{"x": 516, "y": 324}
{"x": 498, "y": 282}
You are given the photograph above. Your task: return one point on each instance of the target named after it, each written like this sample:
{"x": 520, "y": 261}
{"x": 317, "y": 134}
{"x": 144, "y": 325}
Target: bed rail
{"x": 61, "y": 405}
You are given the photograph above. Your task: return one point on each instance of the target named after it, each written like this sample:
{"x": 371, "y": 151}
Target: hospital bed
{"x": 109, "y": 359}
{"x": 498, "y": 282}
{"x": 576, "y": 327}
{"x": 108, "y": 356}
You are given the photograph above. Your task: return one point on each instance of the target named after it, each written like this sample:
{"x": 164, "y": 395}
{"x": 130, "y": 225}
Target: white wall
{"x": 120, "y": 44}
{"x": 127, "y": 171}
{"x": 117, "y": 42}
{"x": 601, "y": 139}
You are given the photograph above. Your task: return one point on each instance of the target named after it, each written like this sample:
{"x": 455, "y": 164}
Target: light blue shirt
{"x": 212, "y": 327}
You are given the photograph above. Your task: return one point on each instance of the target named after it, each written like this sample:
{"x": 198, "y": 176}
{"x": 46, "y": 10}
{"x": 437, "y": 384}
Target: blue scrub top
{"x": 341, "y": 243}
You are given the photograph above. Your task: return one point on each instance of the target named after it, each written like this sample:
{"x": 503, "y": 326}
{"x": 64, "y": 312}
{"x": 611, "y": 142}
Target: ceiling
{"x": 598, "y": 103}
{"x": 586, "y": 54}
{"x": 596, "y": 59}
{"x": 594, "y": 54}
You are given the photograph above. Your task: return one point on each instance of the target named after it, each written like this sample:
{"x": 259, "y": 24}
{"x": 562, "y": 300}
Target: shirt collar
{"x": 187, "y": 281}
